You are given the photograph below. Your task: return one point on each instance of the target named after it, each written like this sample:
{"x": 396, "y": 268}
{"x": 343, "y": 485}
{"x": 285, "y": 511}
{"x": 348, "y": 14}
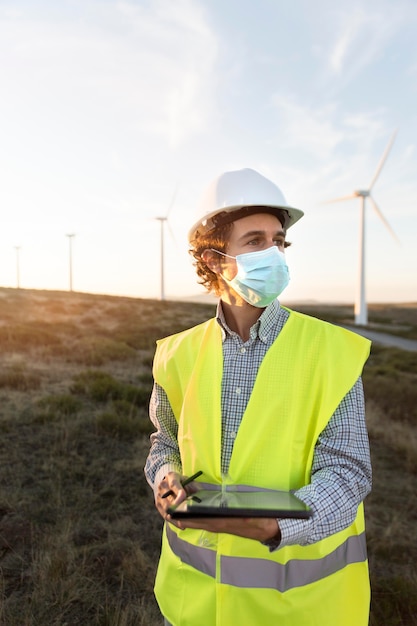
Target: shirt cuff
{"x": 294, "y": 531}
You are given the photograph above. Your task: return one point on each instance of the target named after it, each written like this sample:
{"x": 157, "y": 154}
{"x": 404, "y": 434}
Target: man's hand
{"x": 172, "y": 482}
{"x": 257, "y": 528}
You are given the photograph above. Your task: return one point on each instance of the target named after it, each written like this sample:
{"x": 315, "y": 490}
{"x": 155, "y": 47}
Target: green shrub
{"x": 99, "y": 350}
{"x": 147, "y": 361}
{"x": 17, "y": 377}
{"x": 394, "y": 359}
{"x": 52, "y": 407}
{"x": 390, "y": 380}
{"x": 97, "y": 385}
{"x": 102, "y": 387}
{"x": 20, "y": 337}
{"x": 146, "y": 379}
{"x": 140, "y": 337}
{"x": 396, "y": 397}
{"x": 122, "y": 419}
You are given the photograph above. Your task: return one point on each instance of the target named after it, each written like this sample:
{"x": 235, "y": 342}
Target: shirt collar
{"x": 263, "y": 327}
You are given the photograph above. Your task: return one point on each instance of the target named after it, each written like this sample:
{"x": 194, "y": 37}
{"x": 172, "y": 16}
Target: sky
{"x": 114, "y": 113}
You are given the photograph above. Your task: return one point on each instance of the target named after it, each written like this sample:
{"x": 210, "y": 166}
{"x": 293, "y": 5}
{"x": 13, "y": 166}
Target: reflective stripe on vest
{"x": 262, "y": 573}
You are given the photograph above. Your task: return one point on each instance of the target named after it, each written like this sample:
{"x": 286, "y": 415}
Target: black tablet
{"x": 231, "y": 503}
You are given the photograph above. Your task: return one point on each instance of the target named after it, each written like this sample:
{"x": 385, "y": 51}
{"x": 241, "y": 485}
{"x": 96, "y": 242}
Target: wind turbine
{"x": 361, "y": 312}
{"x": 17, "y": 248}
{"x": 162, "y": 221}
{"x": 70, "y": 238}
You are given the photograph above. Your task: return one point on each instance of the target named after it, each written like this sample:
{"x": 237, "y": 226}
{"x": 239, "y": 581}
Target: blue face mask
{"x": 261, "y": 276}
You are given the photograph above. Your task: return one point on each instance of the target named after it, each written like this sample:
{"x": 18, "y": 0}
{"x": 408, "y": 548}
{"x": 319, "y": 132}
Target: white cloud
{"x": 361, "y": 37}
{"x": 180, "y": 53}
{"x": 153, "y": 66}
{"x": 342, "y": 47}
{"x": 311, "y": 130}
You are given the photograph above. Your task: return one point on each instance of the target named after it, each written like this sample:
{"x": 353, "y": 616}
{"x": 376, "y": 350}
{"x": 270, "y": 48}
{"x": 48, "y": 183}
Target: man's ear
{"x": 212, "y": 260}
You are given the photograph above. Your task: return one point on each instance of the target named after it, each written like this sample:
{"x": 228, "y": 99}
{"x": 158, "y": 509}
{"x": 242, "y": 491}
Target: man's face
{"x": 250, "y": 234}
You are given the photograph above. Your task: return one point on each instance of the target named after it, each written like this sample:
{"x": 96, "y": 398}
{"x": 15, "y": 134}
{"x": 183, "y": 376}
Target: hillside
{"x": 79, "y": 536}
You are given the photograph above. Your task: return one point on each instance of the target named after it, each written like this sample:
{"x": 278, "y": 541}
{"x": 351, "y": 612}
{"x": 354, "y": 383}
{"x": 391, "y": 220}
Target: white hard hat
{"x": 234, "y": 190}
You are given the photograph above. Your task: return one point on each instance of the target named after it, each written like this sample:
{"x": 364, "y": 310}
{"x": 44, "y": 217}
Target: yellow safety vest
{"x": 209, "y": 579}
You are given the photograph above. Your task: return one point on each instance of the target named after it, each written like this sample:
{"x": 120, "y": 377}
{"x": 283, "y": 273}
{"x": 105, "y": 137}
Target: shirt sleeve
{"x": 164, "y": 454}
{"x": 341, "y": 475}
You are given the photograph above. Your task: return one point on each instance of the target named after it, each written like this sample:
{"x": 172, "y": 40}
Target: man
{"x": 260, "y": 396}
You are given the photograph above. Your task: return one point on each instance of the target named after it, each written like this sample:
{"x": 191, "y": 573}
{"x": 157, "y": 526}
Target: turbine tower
{"x": 70, "y": 238}
{"x": 17, "y": 248}
{"x": 361, "y": 311}
{"x": 162, "y": 221}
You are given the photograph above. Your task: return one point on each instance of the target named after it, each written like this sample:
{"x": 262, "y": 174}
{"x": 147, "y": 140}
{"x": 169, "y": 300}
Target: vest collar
{"x": 263, "y": 329}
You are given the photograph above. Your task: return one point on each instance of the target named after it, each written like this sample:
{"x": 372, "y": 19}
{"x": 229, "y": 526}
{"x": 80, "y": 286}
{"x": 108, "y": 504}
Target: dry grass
{"x": 79, "y": 536}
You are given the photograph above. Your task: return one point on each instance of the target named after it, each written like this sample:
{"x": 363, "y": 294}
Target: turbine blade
{"x": 341, "y": 199}
{"x": 382, "y": 218}
{"x": 382, "y": 160}
{"x": 174, "y": 195}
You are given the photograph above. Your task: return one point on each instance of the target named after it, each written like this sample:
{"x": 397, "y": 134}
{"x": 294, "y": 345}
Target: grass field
{"x": 79, "y": 536}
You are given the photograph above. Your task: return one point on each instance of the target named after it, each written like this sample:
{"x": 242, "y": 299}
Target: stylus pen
{"x": 183, "y": 483}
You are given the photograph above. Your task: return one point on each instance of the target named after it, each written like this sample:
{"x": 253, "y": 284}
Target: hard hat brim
{"x": 207, "y": 224}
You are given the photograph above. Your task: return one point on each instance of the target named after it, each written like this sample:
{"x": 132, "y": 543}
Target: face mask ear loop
{"x": 222, "y": 253}
{"x": 226, "y": 255}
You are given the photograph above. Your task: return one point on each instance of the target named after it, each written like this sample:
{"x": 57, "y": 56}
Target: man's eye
{"x": 280, "y": 243}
